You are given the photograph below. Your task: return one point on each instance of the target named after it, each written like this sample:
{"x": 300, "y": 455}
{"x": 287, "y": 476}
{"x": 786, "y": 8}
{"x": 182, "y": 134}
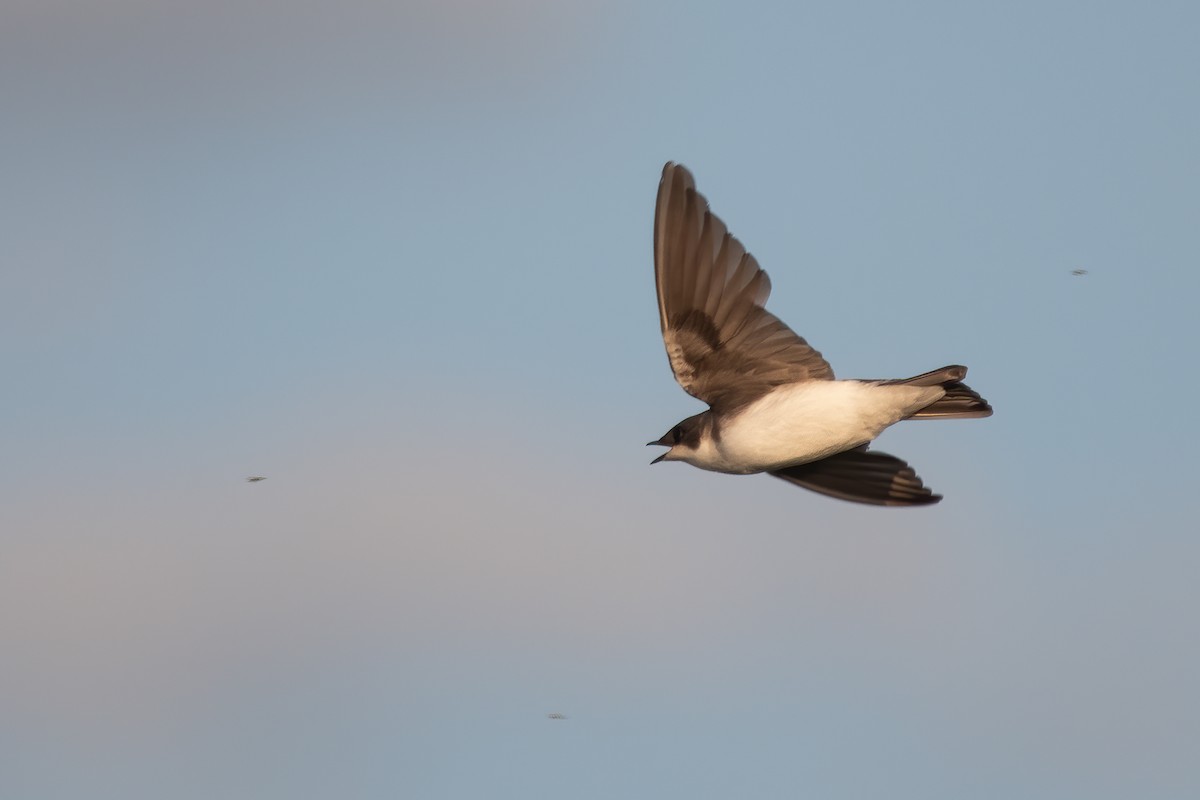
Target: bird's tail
{"x": 960, "y": 402}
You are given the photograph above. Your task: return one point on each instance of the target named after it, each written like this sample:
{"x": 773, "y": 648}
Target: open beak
{"x": 661, "y": 443}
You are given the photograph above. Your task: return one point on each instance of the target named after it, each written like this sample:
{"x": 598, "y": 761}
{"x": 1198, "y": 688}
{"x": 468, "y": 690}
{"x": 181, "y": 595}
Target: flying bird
{"x": 556, "y": 715}
{"x": 256, "y": 478}
{"x": 1079, "y": 272}
{"x": 774, "y": 405}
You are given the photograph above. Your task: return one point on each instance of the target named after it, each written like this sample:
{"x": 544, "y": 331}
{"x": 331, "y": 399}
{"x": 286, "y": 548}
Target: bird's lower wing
{"x": 862, "y": 476}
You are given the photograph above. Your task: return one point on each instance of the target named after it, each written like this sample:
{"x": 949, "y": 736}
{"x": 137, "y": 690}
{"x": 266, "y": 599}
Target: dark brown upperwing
{"x": 862, "y": 476}
{"x": 724, "y": 347}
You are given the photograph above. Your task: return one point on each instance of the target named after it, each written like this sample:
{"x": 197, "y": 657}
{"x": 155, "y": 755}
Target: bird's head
{"x": 683, "y": 440}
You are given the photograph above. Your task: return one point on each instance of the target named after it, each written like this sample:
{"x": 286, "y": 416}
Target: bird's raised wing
{"x": 724, "y": 347}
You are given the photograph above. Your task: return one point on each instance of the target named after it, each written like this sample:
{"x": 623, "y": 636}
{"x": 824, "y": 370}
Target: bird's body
{"x": 774, "y": 405}
{"x": 804, "y": 422}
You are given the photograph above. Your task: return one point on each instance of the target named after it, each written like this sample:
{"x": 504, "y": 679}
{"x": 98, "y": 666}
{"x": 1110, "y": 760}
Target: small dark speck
{"x": 256, "y": 478}
{"x": 556, "y": 715}
{"x": 1079, "y": 272}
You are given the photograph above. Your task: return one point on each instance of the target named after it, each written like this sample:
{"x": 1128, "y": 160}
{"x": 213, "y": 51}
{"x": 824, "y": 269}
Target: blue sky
{"x": 397, "y": 259}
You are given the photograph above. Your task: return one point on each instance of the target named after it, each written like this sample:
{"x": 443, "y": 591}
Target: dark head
{"x": 683, "y": 439}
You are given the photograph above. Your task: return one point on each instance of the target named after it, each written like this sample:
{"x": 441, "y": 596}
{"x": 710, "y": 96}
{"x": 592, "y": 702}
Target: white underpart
{"x": 807, "y": 421}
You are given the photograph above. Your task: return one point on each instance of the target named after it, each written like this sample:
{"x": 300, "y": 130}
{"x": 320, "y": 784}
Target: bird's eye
{"x": 678, "y": 434}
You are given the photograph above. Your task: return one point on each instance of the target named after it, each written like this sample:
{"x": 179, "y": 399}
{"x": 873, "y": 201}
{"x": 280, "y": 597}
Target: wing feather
{"x": 724, "y": 346}
{"x": 862, "y": 476}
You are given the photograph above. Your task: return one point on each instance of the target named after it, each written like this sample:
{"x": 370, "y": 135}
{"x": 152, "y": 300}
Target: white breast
{"x": 807, "y": 421}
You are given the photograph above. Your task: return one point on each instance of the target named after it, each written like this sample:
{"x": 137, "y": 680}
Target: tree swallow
{"x": 774, "y": 405}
